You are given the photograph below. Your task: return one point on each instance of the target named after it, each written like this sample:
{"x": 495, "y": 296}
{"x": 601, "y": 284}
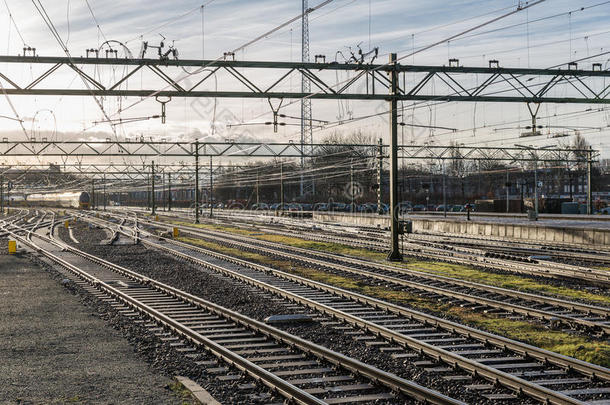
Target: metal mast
{"x": 306, "y": 128}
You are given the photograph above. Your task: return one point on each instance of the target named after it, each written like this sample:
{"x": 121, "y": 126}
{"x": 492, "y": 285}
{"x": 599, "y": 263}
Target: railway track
{"x": 515, "y": 264}
{"x": 560, "y": 250}
{"x": 297, "y": 369}
{"x": 378, "y": 239}
{"x": 506, "y": 248}
{"x": 456, "y": 351}
{"x": 475, "y": 296}
{"x": 469, "y": 257}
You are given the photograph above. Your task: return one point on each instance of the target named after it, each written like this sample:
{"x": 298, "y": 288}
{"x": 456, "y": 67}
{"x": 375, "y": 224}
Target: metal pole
{"x": 211, "y": 190}
{"x": 2, "y": 195}
{"x": 379, "y": 175}
{"x": 444, "y": 192}
{"x": 147, "y": 192}
{"x": 93, "y": 193}
{"x": 257, "y": 185}
{"x": 104, "y": 192}
{"x": 507, "y": 186}
{"x": 351, "y": 182}
{"x": 196, "y": 182}
{"x": 282, "y": 186}
{"x": 394, "y": 254}
{"x": 589, "y": 185}
{"x": 169, "y": 191}
{"x": 536, "y": 186}
{"x": 152, "y": 183}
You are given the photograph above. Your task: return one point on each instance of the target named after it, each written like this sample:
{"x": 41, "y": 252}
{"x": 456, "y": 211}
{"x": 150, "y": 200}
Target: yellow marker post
{"x": 67, "y": 223}
{"x": 12, "y": 247}
{"x": 176, "y": 232}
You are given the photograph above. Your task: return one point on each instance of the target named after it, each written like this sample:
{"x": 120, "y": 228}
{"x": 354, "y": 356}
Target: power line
{"x": 10, "y": 15}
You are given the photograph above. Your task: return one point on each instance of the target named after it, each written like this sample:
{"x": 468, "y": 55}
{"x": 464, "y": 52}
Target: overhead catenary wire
{"x": 425, "y": 104}
{"x": 429, "y": 46}
{"x": 42, "y": 11}
{"x": 239, "y": 48}
{"x": 10, "y": 15}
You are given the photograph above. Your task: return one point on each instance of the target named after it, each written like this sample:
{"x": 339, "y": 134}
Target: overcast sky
{"x": 545, "y": 35}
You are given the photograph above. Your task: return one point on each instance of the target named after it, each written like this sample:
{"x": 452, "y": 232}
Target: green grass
{"x": 513, "y": 281}
{"x": 181, "y": 392}
{"x": 580, "y": 347}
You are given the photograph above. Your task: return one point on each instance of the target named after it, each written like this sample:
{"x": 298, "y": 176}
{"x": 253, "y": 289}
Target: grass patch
{"x": 509, "y": 281}
{"x": 181, "y": 392}
{"x": 580, "y": 347}
{"x": 329, "y": 247}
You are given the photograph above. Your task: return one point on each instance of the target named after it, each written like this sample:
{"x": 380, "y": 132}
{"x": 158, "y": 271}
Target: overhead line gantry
{"x": 380, "y": 82}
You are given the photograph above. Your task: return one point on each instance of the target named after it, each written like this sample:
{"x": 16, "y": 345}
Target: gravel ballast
{"x": 244, "y": 299}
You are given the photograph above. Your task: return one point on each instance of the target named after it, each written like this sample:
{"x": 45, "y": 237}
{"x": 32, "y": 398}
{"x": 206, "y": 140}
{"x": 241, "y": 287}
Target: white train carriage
{"x": 80, "y": 200}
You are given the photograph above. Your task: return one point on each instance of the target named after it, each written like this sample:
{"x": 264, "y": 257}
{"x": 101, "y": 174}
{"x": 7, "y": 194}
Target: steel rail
{"x": 388, "y": 379}
{"x": 290, "y": 391}
{"x": 541, "y": 268}
{"x": 473, "y": 367}
{"x": 286, "y": 389}
{"x": 545, "y": 269}
{"x": 274, "y": 250}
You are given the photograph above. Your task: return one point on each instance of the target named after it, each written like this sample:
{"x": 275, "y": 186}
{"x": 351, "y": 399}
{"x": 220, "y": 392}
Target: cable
{"x": 97, "y": 24}
{"x": 242, "y": 47}
{"x": 434, "y": 44}
{"x": 68, "y": 21}
{"x": 170, "y": 21}
{"x": 452, "y": 37}
{"x": 10, "y": 15}
{"x": 42, "y": 11}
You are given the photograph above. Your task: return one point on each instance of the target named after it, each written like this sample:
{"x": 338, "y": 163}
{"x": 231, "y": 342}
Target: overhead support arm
{"x": 241, "y": 79}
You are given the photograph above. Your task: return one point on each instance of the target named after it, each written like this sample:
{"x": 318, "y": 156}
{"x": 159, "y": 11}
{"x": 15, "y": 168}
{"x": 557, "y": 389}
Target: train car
{"x": 81, "y": 200}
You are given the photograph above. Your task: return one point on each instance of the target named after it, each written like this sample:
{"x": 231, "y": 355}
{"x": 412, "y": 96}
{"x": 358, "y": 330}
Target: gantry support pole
{"x": 92, "y": 193}
{"x": 352, "y": 208}
{"x": 104, "y": 192}
{"x": 211, "y": 189}
{"x": 257, "y": 185}
{"x": 394, "y": 254}
{"x": 379, "y": 176}
{"x": 196, "y": 182}
{"x": 152, "y": 184}
{"x": 589, "y": 185}
{"x": 1, "y": 195}
{"x": 281, "y": 186}
{"x": 169, "y": 191}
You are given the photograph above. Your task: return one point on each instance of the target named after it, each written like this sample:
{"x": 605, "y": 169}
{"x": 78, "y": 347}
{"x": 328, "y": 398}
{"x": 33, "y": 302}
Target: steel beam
{"x": 129, "y": 149}
{"x": 453, "y": 83}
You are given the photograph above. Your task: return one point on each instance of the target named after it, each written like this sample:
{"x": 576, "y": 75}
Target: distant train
{"x": 81, "y": 200}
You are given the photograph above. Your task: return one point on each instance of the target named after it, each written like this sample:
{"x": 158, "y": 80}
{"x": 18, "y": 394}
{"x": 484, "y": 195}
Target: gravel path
{"x": 55, "y": 350}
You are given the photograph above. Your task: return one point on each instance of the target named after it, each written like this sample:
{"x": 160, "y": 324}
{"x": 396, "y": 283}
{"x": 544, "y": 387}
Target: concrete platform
{"x": 567, "y": 230}
{"x": 54, "y": 350}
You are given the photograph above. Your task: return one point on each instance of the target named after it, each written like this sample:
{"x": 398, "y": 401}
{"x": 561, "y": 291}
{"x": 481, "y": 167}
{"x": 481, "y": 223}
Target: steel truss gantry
{"x": 391, "y": 82}
{"x": 168, "y": 149}
{"x": 112, "y": 171}
{"x": 236, "y": 79}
